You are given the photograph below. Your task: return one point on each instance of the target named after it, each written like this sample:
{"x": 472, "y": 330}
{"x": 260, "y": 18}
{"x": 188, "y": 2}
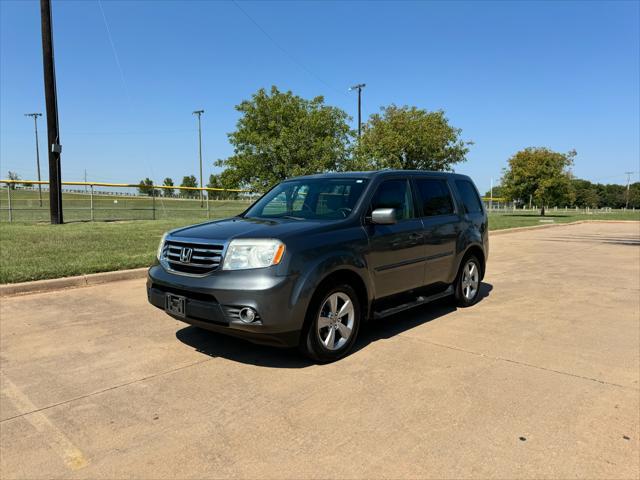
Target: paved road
{"x": 540, "y": 379}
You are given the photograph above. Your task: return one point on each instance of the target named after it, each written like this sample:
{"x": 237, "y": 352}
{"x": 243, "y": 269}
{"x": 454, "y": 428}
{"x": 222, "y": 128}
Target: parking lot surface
{"x": 539, "y": 379}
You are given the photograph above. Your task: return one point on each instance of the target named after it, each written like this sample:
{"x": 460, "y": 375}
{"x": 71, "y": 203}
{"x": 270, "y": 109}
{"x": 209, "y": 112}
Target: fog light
{"x": 247, "y": 315}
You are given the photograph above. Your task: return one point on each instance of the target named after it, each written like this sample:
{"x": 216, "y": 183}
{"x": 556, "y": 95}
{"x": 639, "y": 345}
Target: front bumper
{"x": 212, "y": 302}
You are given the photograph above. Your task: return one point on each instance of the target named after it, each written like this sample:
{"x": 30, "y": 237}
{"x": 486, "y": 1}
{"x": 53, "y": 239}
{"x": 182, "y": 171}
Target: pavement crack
{"x": 523, "y": 364}
{"x": 104, "y": 390}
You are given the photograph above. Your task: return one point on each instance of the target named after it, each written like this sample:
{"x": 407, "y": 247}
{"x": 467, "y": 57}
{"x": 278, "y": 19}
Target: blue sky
{"x": 510, "y": 74}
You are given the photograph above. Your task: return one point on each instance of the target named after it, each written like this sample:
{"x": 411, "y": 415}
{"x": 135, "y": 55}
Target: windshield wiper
{"x": 290, "y": 217}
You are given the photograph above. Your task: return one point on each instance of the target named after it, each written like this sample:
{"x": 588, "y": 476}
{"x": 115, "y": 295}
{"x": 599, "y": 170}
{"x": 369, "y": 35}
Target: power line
{"x": 282, "y": 49}
{"x": 613, "y": 176}
{"x": 115, "y": 53}
{"x": 133, "y": 132}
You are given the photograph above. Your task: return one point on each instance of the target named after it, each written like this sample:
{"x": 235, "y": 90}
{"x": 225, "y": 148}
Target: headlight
{"x": 259, "y": 253}
{"x": 159, "y": 252}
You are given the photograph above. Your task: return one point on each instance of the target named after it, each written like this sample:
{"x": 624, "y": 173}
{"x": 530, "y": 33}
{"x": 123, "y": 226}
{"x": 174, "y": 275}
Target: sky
{"x": 563, "y": 75}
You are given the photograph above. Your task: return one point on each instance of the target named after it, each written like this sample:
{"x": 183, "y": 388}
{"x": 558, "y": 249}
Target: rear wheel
{"x": 467, "y": 286}
{"x": 332, "y": 324}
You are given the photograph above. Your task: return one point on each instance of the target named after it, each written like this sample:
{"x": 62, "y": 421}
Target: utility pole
{"x": 199, "y": 114}
{"x": 53, "y": 132}
{"x": 85, "y": 179}
{"x": 491, "y": 195}
{"x": 359, "y": 87}
{"x": 35, "y": 123}
{"x": 628, "y": 182}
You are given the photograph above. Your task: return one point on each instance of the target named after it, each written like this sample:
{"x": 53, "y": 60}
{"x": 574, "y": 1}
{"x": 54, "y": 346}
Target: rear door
{"x": 396, "y": 258}
{"x": 441, "y": 228}
{"x": 474, "y": 213}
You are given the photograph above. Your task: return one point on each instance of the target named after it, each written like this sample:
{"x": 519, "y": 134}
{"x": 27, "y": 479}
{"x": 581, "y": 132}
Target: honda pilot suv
{"x": 317, "y": 256}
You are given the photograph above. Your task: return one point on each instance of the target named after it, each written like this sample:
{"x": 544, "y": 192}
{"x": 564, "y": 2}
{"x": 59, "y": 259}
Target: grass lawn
{"x": 39, "y": 251}
{"x": 499, "y": 221}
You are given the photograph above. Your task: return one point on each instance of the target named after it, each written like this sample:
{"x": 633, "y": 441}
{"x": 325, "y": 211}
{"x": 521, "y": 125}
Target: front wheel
{"x": 467, "y": 286}
{"x": 332, "y": 324}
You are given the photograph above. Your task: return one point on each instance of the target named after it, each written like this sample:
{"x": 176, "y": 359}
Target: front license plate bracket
{"x": 175, "y": 305}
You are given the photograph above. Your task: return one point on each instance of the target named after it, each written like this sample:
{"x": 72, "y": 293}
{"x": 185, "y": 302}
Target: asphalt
{"x": 539, "y": 380}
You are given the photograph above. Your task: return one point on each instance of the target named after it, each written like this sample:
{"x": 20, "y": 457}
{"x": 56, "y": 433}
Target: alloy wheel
{"x": 470, "y": 280}
{"x": 336, "y": 321}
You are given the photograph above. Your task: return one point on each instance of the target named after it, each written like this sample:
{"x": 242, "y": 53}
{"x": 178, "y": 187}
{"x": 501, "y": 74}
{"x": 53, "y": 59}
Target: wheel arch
{"x": 350, "y": 277}
{"x": 478, "y": 252}
{"x": 340, "y": 275}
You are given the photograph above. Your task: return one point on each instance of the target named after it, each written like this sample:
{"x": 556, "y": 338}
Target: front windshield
{"x": 318, "y": 199}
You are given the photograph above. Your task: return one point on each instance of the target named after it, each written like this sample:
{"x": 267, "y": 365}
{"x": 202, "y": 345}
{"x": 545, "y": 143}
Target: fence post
{"x": 153, "y": 202}
{"x": 9, "y": 195}
{"x": 91, "y": 200}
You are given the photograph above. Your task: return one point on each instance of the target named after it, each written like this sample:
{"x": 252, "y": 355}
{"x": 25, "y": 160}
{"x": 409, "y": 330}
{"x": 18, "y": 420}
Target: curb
{"x": 40, "y": 286}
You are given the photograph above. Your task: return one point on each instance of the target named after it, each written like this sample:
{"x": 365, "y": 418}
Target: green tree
{"x": 280, "y": 135}
{"x": 586, "y": 194}
{"x": 215, "y": 181}
{"x": 634, "y": 195}
{"x": 145, "y": 187}
{"x": 409, "y": 138}
{"x": 542, "y": 174}
{"x": 498, "y": 192}
{"x": 189, "y": 181}
{"x": 168, "y": 192}
{"x": 611, "y": 195}
{"x": 226, "y": 181}
{"x": 13, "y": 176}
{"x": 218, "y": 181}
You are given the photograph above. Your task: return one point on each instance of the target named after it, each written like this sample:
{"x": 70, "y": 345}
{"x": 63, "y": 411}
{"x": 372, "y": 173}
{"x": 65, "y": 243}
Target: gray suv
{"x": 315, "y": 257}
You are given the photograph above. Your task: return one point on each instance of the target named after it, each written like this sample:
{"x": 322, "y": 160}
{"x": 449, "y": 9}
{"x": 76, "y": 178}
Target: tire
{"x": 328, "y": 337}
{"x": 467, "y": 284}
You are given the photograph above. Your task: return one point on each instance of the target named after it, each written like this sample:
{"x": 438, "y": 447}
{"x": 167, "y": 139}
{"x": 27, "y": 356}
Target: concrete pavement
{"x": 540, "y": 379}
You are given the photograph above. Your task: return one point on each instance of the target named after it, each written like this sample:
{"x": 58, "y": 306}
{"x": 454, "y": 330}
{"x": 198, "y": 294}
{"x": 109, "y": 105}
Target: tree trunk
{"x": 542, "y": 211}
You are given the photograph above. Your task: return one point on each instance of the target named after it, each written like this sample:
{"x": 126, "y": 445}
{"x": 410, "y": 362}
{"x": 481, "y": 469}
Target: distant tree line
{"x": 146, "y": 187}
{"x": 588, "y": 194}
{"x": 543, "y": 177}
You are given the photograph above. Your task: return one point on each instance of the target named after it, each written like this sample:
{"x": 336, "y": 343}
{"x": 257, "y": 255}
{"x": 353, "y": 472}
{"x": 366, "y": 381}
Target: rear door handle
{"x": 416, "y": 236}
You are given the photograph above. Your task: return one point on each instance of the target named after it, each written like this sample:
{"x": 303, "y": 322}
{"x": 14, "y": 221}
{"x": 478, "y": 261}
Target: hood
{"x": 239, "y": 227}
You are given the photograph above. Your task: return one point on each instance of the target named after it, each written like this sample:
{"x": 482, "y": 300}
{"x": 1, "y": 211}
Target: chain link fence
{"x": 22, "y": 201}
{"x": 503, "y": 206}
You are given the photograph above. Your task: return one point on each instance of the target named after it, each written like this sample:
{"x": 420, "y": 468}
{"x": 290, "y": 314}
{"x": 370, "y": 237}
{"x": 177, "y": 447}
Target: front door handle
{"x": 416, "y": 236}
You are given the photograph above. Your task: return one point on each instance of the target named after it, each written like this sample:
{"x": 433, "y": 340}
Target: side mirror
{"x": 384, "y": 216}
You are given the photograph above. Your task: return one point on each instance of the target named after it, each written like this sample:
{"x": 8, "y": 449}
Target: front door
{"x": 397, "y": 253}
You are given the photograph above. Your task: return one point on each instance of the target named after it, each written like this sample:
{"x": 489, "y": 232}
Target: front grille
{"x": 199, "y": 260}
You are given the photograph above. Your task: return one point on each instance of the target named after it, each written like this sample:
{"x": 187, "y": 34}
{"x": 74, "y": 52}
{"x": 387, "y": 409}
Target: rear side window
{"x": 469, "y": 196}
{"x": 394, "y": 194}
{"x": 435, "y": 197}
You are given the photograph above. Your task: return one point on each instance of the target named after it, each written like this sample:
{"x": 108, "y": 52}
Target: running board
{"x": 417, "y": 302}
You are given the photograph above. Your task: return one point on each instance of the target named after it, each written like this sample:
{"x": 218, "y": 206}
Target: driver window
{"x": 394, "y": 194}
